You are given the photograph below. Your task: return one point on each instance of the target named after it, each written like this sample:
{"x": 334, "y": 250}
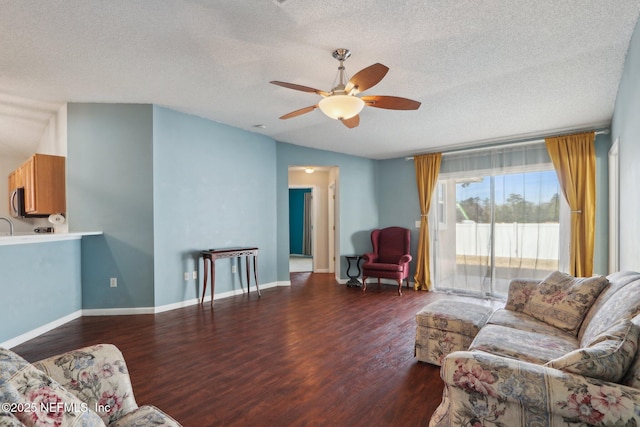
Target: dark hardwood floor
{"x": 315, "y": 354}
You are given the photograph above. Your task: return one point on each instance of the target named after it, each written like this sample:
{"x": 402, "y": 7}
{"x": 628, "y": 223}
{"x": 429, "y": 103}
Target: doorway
{"x": 301, "y": 228}
{"x": 312, "y": 229}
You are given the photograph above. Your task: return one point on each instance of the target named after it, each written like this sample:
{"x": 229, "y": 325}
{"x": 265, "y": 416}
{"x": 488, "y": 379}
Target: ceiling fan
{"x": 342, "y": 103}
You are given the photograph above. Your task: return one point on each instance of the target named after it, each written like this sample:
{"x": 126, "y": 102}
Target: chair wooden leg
{"x": 364, "y": 283}
{"x": 379, "y": 285}
{"x": 400, "y": 287}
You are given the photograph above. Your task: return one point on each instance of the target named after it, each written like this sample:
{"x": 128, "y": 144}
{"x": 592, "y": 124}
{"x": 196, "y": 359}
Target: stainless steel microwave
{"x": 16, "y": 207}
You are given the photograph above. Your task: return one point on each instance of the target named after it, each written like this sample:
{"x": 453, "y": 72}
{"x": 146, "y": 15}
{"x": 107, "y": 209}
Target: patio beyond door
{"x": 497, "y": 215}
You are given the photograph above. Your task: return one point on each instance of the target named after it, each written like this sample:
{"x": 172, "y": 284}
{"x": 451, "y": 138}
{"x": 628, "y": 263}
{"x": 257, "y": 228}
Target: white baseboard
{"x": 172, "y": 306}
{"x": 41, "y": 330}
{"x": 128, "y": 311}
{"x": 117, "y": 311}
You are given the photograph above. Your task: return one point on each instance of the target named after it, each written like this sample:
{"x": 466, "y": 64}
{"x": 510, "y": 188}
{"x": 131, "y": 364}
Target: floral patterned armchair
{"x": 85, "y": 387}
{"x": 550, "y": 358}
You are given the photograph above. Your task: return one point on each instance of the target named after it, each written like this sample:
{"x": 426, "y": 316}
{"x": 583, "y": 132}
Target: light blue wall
{"x": 110, "y": 188}
{"x": 398, "y": 195}
{"x": 214, "y": 186}
{"x": 40, "y": 283}
{"x": 626, "y": 126}
{"x": 163, "y": 185}
{"x": 357, "y": 200}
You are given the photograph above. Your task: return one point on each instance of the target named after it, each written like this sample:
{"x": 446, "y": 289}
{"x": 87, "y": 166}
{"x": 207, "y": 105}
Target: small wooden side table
{"x": 210, "y": 256}
{"x": 353, "y": 278}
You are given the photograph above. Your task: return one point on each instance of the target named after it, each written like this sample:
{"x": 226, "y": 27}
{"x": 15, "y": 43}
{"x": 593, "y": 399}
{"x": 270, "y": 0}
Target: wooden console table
{"x": 210, "y": 256}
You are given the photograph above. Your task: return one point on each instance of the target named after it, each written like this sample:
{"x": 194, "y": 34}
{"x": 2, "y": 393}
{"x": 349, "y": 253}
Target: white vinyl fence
{"x": 513, "y": 240}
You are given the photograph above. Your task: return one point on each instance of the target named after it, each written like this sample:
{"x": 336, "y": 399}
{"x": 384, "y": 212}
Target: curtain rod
{"x": 509, "y": 144}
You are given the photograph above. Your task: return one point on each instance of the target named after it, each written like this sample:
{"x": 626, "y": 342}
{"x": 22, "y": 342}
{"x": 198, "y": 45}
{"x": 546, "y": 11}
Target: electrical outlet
{"x": 186, "y": 276}
{"x": 234, "y": 269}
{"x": 195, "y": 274}
{"x": 418, "y": 224}
{"x": 113, "y": 282}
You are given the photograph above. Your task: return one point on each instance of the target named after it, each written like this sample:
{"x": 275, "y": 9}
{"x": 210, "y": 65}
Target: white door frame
{"x": 331, "y": 206}
{"x": 336, "y": 223}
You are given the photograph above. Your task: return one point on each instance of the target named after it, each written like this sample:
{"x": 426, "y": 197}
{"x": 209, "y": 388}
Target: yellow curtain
{"x": 574, "y": 159}
{"x": 427, "y": 169}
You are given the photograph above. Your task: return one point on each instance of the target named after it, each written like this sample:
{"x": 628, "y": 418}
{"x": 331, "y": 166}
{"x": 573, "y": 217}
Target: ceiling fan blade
{"x": 391, "y": 102}
{"x": 352, "y": 122}
{"x": 300, "y": 87}
{"x": 299, "y": 112}
{"x": 367, "y": 77}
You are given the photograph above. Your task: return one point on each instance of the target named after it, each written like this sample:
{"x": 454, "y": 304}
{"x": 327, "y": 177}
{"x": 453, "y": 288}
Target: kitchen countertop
{"x": 23, "y": 238}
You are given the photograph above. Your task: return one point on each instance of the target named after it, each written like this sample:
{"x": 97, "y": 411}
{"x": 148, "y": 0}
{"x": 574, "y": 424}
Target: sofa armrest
{"x": 519, "y": 293}
{"x": 98, "y": 376}
{"x": 481, "y": 386}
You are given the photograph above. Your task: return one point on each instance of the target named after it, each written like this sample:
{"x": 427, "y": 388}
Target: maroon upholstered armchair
{"x": 390, "y": 257}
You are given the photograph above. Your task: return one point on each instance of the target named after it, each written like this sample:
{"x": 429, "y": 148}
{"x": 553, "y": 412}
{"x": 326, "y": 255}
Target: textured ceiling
{"x": 484, "y": 71}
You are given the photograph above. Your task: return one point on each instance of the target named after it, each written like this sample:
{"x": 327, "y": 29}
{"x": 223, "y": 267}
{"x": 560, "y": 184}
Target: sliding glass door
{"x": 498, "y": 217}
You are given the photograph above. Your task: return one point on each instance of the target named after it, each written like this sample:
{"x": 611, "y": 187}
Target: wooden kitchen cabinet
{"x": 16, "y": 180}
{"x": 43, "y": 180}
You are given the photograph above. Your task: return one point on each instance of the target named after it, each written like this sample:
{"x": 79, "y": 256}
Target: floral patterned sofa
{"x": 562, "y": 352}
{"x": 85, "y": 387}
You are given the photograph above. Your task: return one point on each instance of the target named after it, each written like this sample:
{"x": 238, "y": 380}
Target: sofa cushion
{"x": 520, "y": 291}
{"x": 524, "y": 322}
{"x": 562, "y": 300}
{"x": 7, "y": 419}
{"x": 382, "y": 267}
{"x": 632, "y": 377}
{"x": 607, "y": 357}
{"x": 10, "y": 363}
{"x": 621, "y": 300}
{"x": 43, "y": 400}
{"x": 97, "y": 375}
{"x": 524, "y": 345}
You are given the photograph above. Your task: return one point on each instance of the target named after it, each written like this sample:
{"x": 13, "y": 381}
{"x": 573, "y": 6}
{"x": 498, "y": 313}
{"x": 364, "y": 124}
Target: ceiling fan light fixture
{"x": 341, "y": 107}
{"x": 342, "y": 102}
